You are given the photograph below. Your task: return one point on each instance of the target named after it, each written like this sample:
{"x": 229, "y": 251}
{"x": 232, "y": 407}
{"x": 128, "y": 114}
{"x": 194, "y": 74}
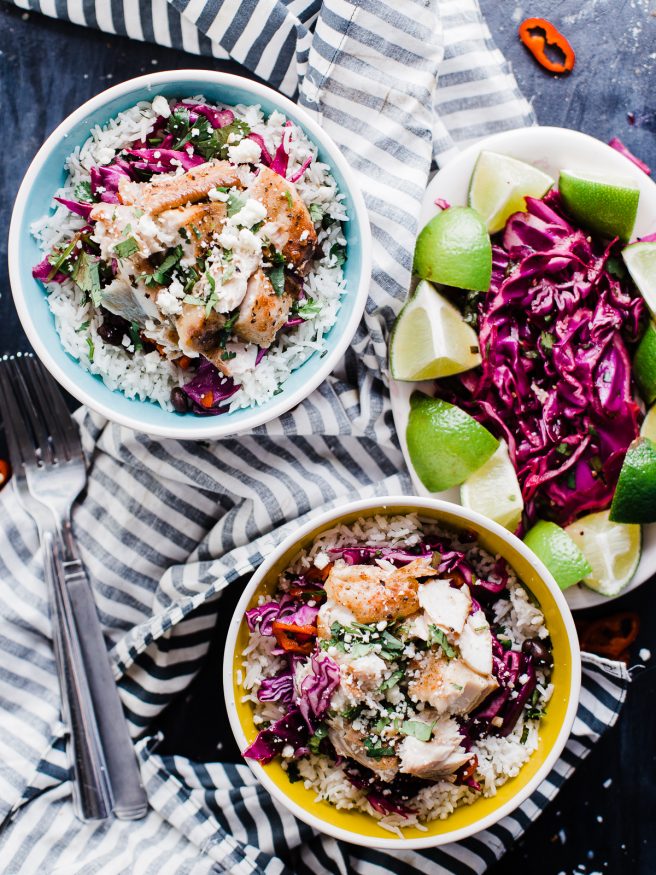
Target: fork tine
{"x": 20, "y": 442}
{"x": 63, "y": 429}
{"x": 27, "y": 395}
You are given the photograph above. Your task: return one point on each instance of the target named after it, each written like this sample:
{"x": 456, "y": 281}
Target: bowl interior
{"x": 33, "y": 307}
{"x": 361, "y": 826}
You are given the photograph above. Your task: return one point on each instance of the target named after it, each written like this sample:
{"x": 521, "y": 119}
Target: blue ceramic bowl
{"x": 46, "y": 174}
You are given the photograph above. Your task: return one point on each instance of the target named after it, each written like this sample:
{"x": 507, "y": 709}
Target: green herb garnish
{"x": 126, "y": 248}
{"x": 438, "y": 636}
{"x": 418, "y": 729}
{"x": 524, "y": 737}
{"x": 86, "y": 274}
{"x": 319, "y": 734}
{"x": 377, "y": 752}
{"x": 277, "y": 279}
{"x": 234, "y": 204}
{"x": 92, "y": 349}
{"x": 306, "y": 309}
{"x": 391, "y": 681}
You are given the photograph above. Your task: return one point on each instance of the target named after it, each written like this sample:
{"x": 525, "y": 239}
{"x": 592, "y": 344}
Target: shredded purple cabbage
{"x": 290, "y": 729}
{"x": 279, "y": 688}
{"x": 161, "y": 160}
{"x": 296, "y": 176}
{"x": 42, "y": 272}
{"x": 316, "y": 690}
{"x": 265, "y": 156}
{"x": 508, "y": 667}
{"x": 619, "y": 146}
{"x": 209, "y": 379}
{"x": 555, "y": 380}
{"x": 77, "y": 207}
{"x": 218, "y": 118}
{"x": 105, "y": 179}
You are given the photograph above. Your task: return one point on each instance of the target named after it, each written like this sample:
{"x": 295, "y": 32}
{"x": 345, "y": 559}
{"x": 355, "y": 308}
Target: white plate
{"x": 550, "y": 149}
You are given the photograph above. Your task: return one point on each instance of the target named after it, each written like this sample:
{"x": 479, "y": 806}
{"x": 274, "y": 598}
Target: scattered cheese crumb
{"x": 161, "y": 106}
{"x": 245, "y": 152}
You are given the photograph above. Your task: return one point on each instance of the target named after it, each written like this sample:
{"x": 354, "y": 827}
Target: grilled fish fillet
{"x": 167, "y": 192}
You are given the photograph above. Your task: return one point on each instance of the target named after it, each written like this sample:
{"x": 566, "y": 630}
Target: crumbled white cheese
{"x": 321, "y": 560}
{"x": 304, "y": 235}
{"x": 250, "y": 214}
{"x": 161, "y": 106}
{"x": 168, "y": 303}
{"x": 245, "y": 152}
{"x": 215, "y": 195}
{"x": 288, "y": 751}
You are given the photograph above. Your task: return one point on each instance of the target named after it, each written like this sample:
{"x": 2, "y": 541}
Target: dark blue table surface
{"x": 48, "y": 68}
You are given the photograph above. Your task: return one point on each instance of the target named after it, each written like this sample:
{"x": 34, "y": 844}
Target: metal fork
{"x": 54, "y": 472}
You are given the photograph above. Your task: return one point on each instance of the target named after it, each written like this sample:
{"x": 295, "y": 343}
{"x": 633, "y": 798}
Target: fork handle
{"x": 89, "y": 785}
{"x": 128, "y": 795}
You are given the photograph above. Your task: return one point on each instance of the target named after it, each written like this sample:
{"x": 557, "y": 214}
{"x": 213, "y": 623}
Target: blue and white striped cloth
{"x": 164, "y": 527}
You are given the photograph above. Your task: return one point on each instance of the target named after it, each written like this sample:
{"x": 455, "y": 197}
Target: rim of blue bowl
{"x": 171, "y": 424}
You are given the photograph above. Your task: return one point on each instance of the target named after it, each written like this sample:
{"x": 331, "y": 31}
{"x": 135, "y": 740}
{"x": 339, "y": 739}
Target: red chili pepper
{"x": 537, "y": 34}
{"x": 5, "y": 472}
{"x": 318, "y": 574}
{"x": 609, "y": 636}
{"x": 286, "y": 634}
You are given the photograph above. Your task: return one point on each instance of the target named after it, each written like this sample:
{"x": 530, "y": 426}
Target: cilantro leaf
{"x": 126, "y": 248}
{"x": 87, "y": 276}
{"x": 277, "y": 278}
{"x": 235, "y": 203}
{"x": 438, "y": 636}
{"x": 307, "y": 309}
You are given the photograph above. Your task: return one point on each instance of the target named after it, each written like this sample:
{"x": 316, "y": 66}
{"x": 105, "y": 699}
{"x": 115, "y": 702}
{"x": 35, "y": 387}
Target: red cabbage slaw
{"x": 498, "y": 715}
{"x": 555, "y": 381}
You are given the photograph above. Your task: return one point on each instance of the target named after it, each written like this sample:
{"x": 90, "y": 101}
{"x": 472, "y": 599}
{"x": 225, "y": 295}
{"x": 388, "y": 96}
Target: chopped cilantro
{"x": 524, "y": 737}
{"x": 377, "y": 752}
{"x": 82, "y": 327}
{"x": 193, "y": 299}
{"x": 92, "y": 349}
{"x": 316, "y": 213}
{"x": 319, "y": 734}
{"x": 83, "y": 191}
{"x": 546, "y": 340}
{"x": 339, "y": 253}
{"x": 391, "y": 681}
{"x": 418, "y": 729}
{"x": 306, "y": 309}
{"x": 86, "y": 275}
{"x": 288, "y": 196}
{"x": 126, "y": 248}
{"x": 226, "y": 356}
{"x": 161, "y": 275}
{"x": 277, "y": 278}
{"x": 135, "y": 336}
{"x": 235, "y": 203}
{"x": 438, "y": 636}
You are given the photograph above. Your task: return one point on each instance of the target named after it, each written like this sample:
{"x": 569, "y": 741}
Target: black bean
{"x": 180, "y": 400}
{"x": 111, "y": 333}
{"x": 539, "y": 651}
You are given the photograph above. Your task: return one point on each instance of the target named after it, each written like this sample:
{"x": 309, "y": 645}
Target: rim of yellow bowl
{"x": 483, "y": 812}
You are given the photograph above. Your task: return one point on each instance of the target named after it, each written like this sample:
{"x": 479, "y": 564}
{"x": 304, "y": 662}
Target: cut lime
{"x": 445, "y": 444}
{"x": 499, "y": 186}
{"x": 644, "y": 364}
{"x": 612, "y": 549}
{"x": 559, "y": 553}
{"x": 640, "y": 260}
{"x": 494, "y": 490}
{"x": 430, "y": 339}
{"x": 605, "y": 207}
{"x": 635, "y": 494}
{"x": 454, "y": 249}
{"x": 648, "y": 428}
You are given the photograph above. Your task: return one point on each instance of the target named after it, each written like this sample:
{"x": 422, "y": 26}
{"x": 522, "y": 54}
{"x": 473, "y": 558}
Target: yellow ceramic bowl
{"x": 360, "y": 828}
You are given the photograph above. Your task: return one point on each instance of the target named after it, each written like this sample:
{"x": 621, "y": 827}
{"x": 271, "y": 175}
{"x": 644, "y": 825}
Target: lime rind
{"x": 612, "y": 549}
{"x": 644, "y": 364}
{"x": 607, "y": 206}
{"x": 430, "y": 339}
{"x": 454, "y": 249}
{"x": 648, "y": 427}
{"x": 494, "y": 490}
{"x": 640, "y": 261}
{"x": 499, "y": 186}
{"x": 445, "y": 444}
{"x": 558, "y": 552}
{"x": 635, "y": 494}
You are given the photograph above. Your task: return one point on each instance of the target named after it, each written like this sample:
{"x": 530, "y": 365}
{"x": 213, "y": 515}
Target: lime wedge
{"x": 612, "y": 549}
{"x": 648, "y": 428}
{"x": 430, "y": 339}
{"x": 559, "y": 553}
{"x": 640, "y": 260}
{"x": 606, "y": 207}
{"x": 454, "y": 249}
{"x": 445, "y": 444}
{"x": 494, "y": 490}
{"x": 635, "y": 494}
{"x": 499, "y": 185}
{"x": 644, "y": 364}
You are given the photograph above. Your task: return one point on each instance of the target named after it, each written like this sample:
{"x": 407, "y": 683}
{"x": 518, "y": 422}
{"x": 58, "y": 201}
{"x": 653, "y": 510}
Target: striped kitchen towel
{"x": 165, "y": 526}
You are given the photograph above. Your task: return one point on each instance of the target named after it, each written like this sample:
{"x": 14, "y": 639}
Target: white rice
{"x": 499, "y": 759}
{"x": 150, "y": 376}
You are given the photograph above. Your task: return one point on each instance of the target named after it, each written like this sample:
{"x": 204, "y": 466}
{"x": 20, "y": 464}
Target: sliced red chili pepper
{"x": 318, "y": 595}
{"x": 315, "y": 574}
{"x": 609, "y": 636}
{"x": 538, "y": 34}
{"x": 293, "y": 638}
{"x": 5, "y": 472}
